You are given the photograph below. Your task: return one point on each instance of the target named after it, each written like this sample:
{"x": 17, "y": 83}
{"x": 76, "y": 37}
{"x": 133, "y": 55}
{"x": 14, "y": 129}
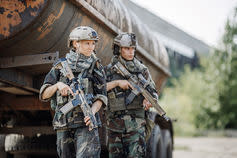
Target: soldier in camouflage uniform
{"x": 73, "y": 137}
{"x": 126, "y": 123}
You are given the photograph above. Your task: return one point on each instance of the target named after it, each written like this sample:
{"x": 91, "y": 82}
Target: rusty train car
{"x": 33, "y": 34}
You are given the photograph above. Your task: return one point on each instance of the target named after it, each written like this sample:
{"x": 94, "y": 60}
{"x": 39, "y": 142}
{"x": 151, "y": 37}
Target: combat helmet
{"x": 124, "y": 40}
{"x": 82, "y": 33}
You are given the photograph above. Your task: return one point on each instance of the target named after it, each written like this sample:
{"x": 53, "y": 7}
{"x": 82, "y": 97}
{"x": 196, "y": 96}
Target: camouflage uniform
{"x": 73, "y": 137}
{"x": 126, "y": 123}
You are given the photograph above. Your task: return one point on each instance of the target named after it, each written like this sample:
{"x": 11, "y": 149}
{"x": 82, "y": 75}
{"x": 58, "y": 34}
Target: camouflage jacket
{"x": 91, "y": 75}
{"x": 123, "y": 117}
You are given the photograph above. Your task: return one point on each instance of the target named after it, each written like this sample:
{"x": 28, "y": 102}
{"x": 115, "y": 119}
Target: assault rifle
{"x": 79, "y": 97}
{"x": 140, "y": 86}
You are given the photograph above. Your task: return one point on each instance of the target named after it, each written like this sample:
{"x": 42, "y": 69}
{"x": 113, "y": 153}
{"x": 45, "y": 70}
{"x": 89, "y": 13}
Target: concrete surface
{"x": 205, "y": 147}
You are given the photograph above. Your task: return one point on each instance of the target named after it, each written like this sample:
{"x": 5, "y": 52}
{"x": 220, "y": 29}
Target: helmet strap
{"x": 76, "y": 46}
{"x": 120, "y": 50}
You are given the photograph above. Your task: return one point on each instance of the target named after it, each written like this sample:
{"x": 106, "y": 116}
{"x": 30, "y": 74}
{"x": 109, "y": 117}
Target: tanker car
{"x": 33, "y": 34}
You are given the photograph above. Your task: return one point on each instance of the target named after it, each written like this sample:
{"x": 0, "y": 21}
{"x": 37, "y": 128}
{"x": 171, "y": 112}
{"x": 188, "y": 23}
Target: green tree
{"x": 228, "y": 98}
{"x": 206, "y": 98}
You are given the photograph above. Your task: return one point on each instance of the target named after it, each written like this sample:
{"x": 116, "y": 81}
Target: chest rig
{"x": 74, "y": 118}
{"x": 117, "y": 96}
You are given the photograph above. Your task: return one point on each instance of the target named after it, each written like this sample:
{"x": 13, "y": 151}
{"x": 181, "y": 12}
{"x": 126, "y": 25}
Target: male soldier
{"x": 126, "y": 121}
{"x": 73, "y": 137}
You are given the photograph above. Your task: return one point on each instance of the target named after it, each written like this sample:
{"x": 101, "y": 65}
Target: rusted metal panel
{"x": 14, "y": 90}
{"x": 17, "y": 15}
{"x": 17, "y": 79}
{"x": 43, "y": 32}
{"x": 22, "y": 103}
{"x": 49, "y": 32}
{"x": 28, "y": 60}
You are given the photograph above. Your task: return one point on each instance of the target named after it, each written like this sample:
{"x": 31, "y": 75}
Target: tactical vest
{"x": 117, "y": 97}
{"x": 74, "y": 118}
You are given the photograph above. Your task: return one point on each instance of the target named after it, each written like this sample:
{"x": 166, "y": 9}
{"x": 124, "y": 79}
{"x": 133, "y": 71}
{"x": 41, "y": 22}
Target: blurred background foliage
{"x": 205, "y": 98}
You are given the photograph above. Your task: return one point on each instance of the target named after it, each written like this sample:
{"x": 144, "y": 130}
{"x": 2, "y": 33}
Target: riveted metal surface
{"x": 47, "y": 26}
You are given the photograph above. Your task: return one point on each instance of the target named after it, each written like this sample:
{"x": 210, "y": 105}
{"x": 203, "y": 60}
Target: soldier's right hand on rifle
{"x": 124, "y": 84}
{"x": 64, "y": 89}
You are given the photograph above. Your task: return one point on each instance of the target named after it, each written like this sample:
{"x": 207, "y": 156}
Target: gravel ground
{"x": 205, "y": 147}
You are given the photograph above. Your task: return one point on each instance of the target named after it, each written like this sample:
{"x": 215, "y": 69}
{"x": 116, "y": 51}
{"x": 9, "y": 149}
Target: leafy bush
{"x": 206, "y": 98}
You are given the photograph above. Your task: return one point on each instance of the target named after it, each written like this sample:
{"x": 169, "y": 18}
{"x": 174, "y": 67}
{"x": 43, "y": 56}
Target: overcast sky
{"x": 204, "y": 19}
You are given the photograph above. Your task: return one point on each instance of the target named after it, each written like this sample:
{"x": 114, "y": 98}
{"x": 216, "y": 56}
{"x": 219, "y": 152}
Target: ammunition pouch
{"x": 73, "y": 119}
{"x": 136, "y": 103}
{"x": 117, "y": 101}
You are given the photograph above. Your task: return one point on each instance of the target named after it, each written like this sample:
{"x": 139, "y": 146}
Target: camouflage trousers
{"x": 128, "y": 144}
{"x": 78, "y": 143}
